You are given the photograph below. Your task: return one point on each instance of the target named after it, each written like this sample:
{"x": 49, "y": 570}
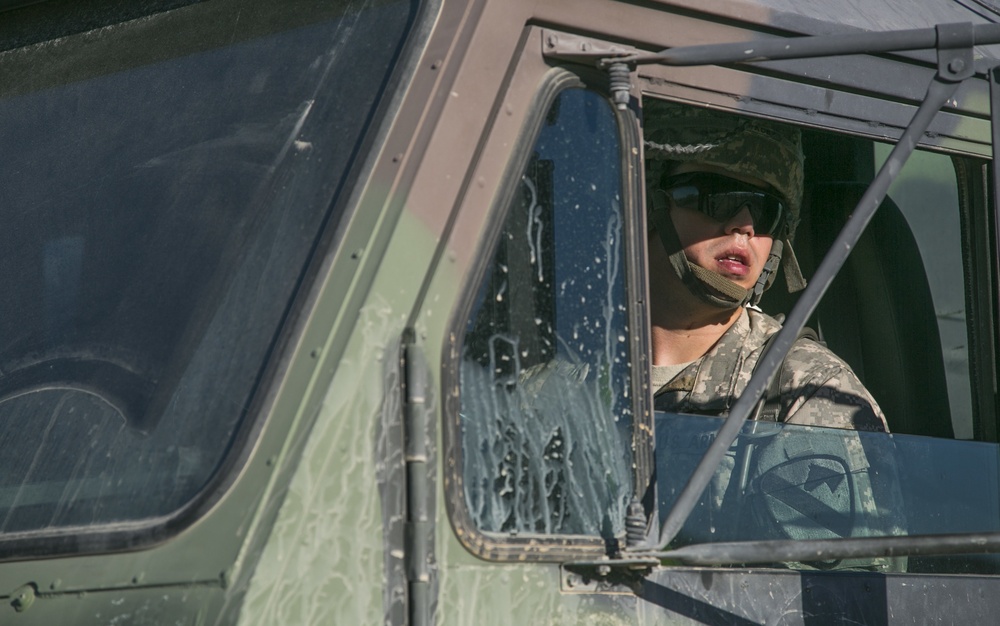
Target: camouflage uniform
{"x": 817, "y": 387}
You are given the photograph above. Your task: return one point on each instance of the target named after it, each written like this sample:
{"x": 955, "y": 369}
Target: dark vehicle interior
{"x": 881, "y": 301}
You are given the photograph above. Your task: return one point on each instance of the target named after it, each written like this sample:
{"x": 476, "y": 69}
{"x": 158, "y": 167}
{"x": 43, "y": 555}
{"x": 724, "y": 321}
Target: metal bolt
{"x": 955, "y": 66}
{"x": 603, "y": 570}
{"x": 23, "y": 598}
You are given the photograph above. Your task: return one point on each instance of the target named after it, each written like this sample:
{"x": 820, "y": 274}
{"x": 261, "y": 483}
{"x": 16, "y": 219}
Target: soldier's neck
{"x": 683, "y": 336}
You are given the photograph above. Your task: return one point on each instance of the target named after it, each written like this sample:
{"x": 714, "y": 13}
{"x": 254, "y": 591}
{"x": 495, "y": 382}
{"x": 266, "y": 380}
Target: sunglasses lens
{"x": 720, "y": 198}
{"x": 765, "y": 210}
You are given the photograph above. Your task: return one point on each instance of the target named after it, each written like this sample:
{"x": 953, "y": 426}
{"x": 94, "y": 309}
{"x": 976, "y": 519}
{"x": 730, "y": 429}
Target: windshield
{"x": 160, "y": 203}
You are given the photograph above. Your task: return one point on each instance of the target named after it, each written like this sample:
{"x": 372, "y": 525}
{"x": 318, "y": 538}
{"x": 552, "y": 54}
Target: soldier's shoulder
{"x": 807, "y": 353}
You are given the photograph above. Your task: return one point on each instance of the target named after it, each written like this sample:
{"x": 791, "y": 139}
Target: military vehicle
{"x": 274, "y": 273}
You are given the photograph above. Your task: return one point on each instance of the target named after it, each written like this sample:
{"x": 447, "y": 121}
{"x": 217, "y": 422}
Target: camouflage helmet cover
{"x": 759, "y": 149}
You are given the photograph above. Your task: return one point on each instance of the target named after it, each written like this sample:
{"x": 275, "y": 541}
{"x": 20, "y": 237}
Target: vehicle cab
{"x": 332, "y": 310}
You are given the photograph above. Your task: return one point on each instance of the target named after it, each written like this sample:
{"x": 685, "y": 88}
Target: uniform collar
{"x": 713, "y": 382}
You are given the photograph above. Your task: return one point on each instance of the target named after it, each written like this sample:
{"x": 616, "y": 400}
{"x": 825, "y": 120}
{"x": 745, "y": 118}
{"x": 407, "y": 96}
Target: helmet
{"x": 759, "y": 149}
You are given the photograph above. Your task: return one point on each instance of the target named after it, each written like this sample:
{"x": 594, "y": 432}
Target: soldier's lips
{"x": 734, "y": 263}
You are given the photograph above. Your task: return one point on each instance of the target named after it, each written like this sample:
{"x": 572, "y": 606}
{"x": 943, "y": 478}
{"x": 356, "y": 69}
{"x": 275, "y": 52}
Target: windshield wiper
{"x": 954, "y": 43}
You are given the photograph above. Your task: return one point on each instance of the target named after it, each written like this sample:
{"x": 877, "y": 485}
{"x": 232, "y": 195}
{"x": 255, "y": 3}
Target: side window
{"x": 905, "y": 280}
{"x": 897, "y": 315}
{"x": 927, "y": 194}
{"x": 546, "y": 406}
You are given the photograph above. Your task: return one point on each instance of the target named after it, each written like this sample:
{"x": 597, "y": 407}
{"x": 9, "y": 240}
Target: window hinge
{"x": 419, "y": 507}
{"x": 585, "y": 50}
{"x": 606, "y": 575}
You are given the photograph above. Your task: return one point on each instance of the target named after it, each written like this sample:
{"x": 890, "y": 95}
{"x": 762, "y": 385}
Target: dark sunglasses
{"x": 720, "y": 198}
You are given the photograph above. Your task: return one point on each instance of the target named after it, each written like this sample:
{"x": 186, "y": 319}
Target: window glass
{"x": 783, "y": 481}
{"x": 156, "y": 221}
{"x": 926, "y": 192}
{"x": 545, "y": 405}
{"x": 896, "y": 310}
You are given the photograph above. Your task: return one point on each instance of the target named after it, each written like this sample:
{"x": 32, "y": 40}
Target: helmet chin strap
{"x": 768, "y": 273}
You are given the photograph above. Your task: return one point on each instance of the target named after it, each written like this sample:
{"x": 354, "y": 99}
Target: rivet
{"x": 23, "y": 597}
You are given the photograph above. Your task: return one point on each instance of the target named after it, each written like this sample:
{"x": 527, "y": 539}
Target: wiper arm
{"x": 954, "y": 46}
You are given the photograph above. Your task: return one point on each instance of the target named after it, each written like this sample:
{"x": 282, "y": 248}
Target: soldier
{"x": 724, "y": 195}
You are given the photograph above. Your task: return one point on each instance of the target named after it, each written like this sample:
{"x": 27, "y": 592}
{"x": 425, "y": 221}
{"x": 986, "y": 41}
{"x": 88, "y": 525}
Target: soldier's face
{"x": 732, "y": 249}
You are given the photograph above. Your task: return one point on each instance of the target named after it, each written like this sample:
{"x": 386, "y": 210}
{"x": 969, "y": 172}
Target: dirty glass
{"x": 165, "y": 182}
{"x": 784, "y": 481}
{"x": 545, "y": 406}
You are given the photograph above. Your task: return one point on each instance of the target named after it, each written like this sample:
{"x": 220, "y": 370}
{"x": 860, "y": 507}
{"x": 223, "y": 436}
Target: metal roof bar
{"x": 940, "y": 37}
{"x": 805, "y": 550}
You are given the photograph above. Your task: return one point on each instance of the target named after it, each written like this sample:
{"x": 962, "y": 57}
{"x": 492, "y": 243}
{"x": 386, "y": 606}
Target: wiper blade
{"x": 954, "y": 65}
